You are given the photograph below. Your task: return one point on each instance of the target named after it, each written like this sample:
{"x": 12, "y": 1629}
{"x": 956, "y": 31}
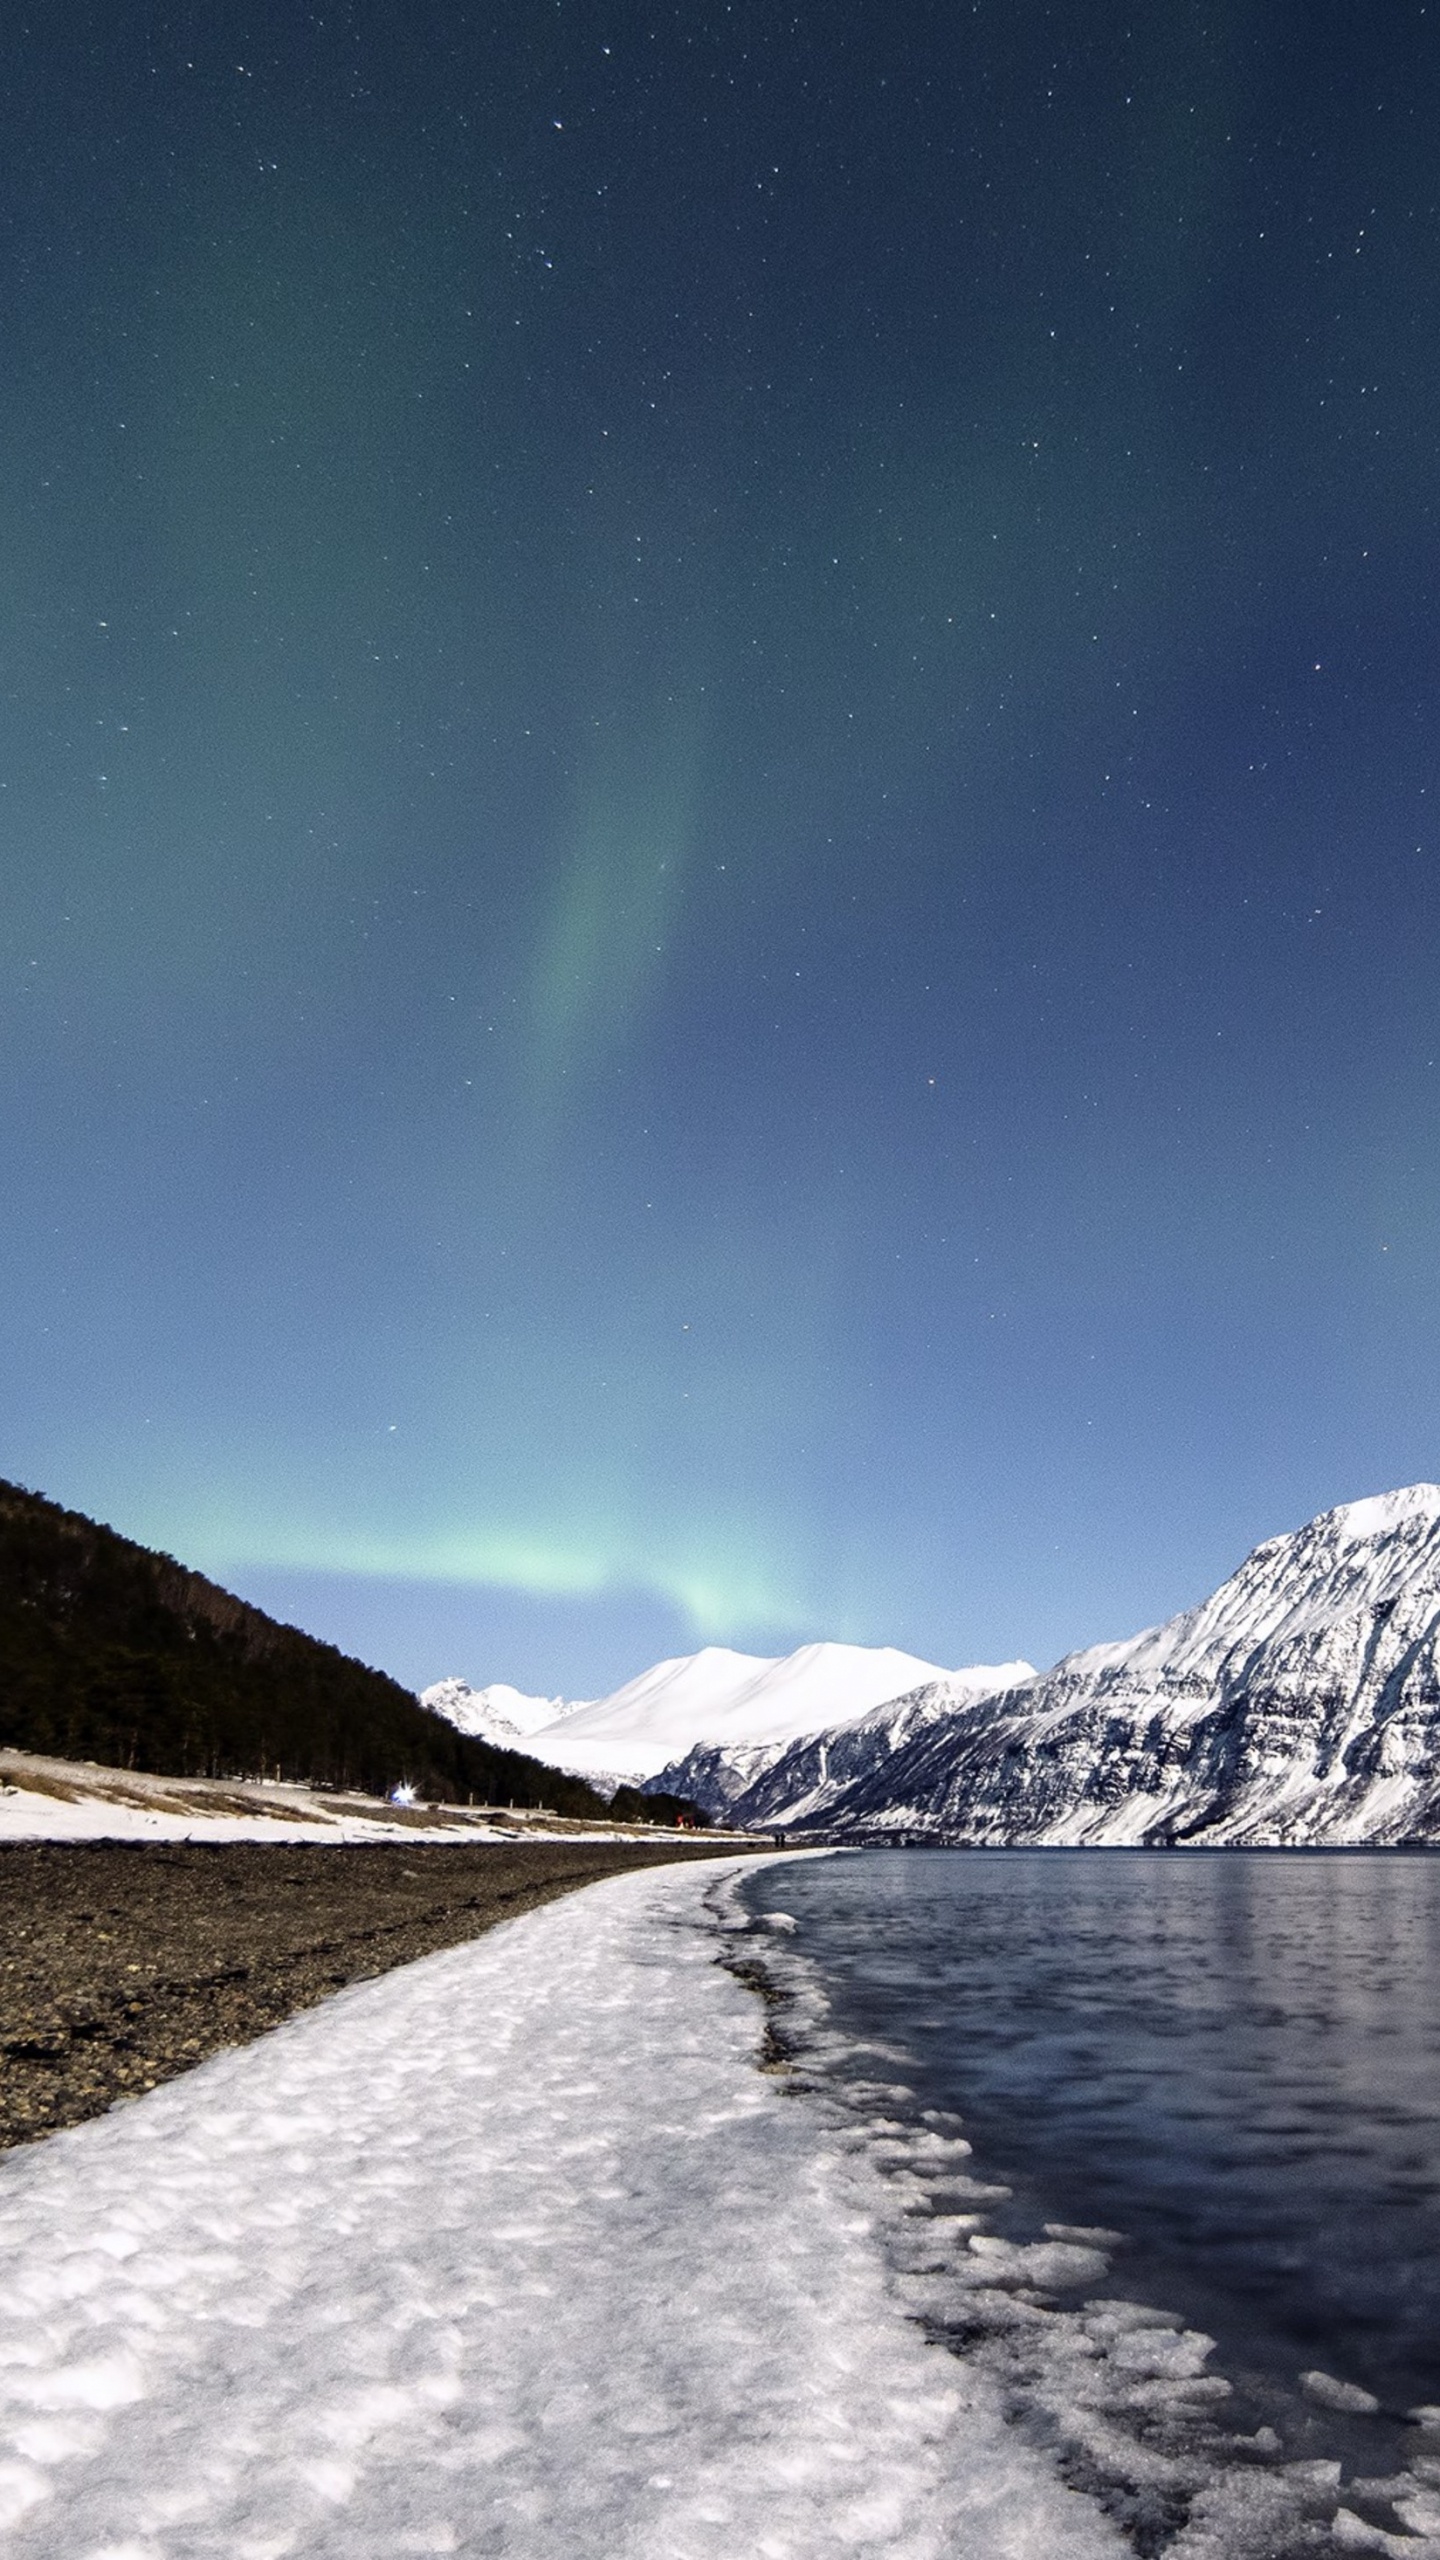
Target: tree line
{"x": 112, "y": 1652}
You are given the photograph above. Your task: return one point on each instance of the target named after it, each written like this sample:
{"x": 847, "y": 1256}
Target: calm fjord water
{"x": 1232, "y": 2058}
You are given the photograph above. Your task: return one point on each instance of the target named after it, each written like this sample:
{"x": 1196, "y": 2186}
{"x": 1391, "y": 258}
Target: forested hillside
{"x": 111, "y": 1652}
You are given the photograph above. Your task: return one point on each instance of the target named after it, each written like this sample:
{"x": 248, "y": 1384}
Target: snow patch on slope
{"x": 1377, "y": 1513}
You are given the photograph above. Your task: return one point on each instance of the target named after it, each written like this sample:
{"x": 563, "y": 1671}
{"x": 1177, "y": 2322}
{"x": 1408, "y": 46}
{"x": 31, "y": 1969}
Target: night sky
{"x": 719, "y": 909}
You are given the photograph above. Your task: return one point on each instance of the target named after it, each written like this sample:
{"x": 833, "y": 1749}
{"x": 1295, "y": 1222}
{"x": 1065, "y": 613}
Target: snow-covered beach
{"x": 45, "y": 1798}
{"x": 514, "y": 2251}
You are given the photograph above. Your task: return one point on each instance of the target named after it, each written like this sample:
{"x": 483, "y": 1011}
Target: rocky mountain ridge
{"x": 779, "y": 1783}
{"x": 497, "y": 1714}
{"x": 1299, "y": 1704}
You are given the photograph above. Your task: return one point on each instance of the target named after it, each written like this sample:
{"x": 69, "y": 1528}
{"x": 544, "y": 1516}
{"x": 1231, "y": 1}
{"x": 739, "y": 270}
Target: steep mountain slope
{"x": 718, "y": 1696}
{"x": 715, "y": 1775}
{"x": 110, "y": 1652}
{"x": 761, "y": 1784}
{"x": 1300, "y": 1703}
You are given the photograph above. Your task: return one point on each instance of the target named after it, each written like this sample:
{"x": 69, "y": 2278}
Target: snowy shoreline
{"x": 514, "y": 2251}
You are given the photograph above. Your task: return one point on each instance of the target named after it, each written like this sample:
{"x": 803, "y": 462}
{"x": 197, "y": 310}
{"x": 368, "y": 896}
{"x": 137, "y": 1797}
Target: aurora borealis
{"x": 718, "y": 891}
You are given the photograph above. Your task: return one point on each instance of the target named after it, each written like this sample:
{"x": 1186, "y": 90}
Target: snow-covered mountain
{"x": 718, "y": 1696}
{"x": 779, "y": 1783}
{"x": 715, "y": 1696}
{"x": 498, "y": 1714}
{"x": 1300, "y": 1703}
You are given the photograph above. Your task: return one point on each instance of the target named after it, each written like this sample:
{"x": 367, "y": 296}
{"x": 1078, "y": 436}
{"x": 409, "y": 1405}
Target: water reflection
{"x": 1232, "y": 2056}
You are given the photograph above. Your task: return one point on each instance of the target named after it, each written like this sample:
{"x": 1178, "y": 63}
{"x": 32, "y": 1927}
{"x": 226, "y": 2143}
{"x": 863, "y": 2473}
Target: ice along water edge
{"x": 1197, "y": 2242}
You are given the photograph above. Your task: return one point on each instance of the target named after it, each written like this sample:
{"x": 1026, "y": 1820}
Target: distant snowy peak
{"x": 721, "y": 1697}
{"x": 1300, "y": 1703}
{"x": 731, "y": 1714}
{"x": 498, "y": 1714}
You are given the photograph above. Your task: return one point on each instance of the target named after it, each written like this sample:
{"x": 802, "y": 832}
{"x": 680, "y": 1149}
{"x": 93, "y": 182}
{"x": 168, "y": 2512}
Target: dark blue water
{"x": 1231, "y": 2058}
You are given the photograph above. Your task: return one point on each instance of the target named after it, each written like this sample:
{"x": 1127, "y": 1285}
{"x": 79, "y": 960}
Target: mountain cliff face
{"x": 1299, "y": 1704}
{"x": 769, "y": 1784}
{"x": 716, "y": 1775}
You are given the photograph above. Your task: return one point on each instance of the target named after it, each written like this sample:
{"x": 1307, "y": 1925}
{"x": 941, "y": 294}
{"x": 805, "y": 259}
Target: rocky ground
{"x": 121, "y": 1964}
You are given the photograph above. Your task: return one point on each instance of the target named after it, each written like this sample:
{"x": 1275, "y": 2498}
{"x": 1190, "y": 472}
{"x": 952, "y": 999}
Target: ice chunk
{"x": 1419, "y": 2508}
{"x": 1352, "y": 2533}
{"x": 1052, "y": 2265}
{"x": 1178, "y": 2354}
{"x": 1347, "y": 2397}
